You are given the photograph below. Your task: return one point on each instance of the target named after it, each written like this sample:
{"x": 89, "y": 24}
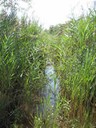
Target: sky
{"x": 53, "y": 12}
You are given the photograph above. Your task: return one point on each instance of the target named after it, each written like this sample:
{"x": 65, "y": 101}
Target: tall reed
{"x": 22, "y": 63}
{"x": 74, "y": 60}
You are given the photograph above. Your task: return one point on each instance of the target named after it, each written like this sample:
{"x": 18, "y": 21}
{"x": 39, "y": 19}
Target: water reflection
{"x": 50, "y": 93}
{"x": 52, "y": 87}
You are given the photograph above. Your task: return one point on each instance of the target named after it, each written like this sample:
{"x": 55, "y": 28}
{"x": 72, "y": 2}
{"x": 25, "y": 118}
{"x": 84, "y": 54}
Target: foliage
{"x": 76, "y": 67}
{"x": 25, "y": 48}
{"x": 22, "y": 63}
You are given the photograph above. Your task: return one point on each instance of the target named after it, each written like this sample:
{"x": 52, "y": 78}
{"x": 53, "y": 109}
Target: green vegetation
{"x": 75, "y": 63}
{"x": 24, "y": 50}
{"x": 22, "y": 64}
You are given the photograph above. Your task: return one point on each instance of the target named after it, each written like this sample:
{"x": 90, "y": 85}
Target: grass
{"x": 22, "y": 77}
{"x": 75, "y": 65}
{"x": 24, "y": 50}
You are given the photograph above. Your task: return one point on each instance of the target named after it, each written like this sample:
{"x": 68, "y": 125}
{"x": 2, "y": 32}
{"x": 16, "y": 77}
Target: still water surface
{"x": 50, "y": 92}
{"x": 52, "y": 87}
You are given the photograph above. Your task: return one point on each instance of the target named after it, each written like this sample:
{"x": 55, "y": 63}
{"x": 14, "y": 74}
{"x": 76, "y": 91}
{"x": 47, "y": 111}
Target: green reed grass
{"x": 24, "y": 49}
{"x": 22, "y": 63}
{"x": 74, "y": 61}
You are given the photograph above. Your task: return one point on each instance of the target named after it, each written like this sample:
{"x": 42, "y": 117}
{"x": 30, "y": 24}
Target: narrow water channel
{"x": 50, "y": 92}
{"x": 52, "y": 87}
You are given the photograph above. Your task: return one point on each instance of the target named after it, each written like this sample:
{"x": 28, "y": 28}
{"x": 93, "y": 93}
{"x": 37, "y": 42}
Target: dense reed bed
{"x": 22, "y": 64}
{"x": 75, "y": 63}
{"x": 24, "y": 50}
